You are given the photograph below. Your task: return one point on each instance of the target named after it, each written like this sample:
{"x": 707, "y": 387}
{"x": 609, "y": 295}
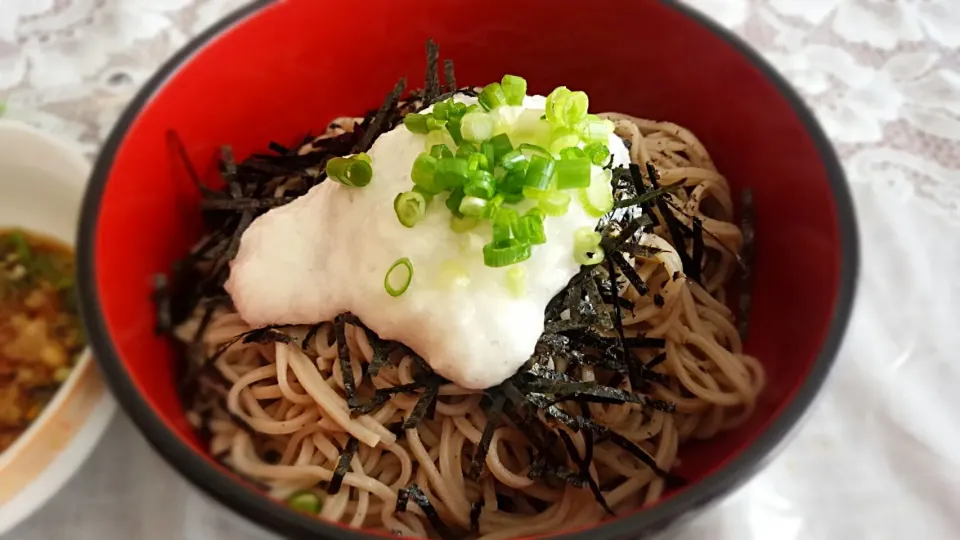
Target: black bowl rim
{"x": 285, "y": 521}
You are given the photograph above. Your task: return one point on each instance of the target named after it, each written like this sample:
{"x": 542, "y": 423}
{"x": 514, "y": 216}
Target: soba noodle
{"x": 286, "y": 418}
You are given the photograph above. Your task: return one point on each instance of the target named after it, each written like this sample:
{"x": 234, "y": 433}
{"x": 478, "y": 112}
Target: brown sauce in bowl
{"x": 41, "y": 335}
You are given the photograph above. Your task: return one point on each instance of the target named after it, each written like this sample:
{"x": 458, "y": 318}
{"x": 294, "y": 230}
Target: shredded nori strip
{"x": 379, "y": 121}
{"x": 673, "y": 224}
{"x": 281, "y": 149}
{"x": 240, "y": 205}
{"x": 381, "y": 352}
{"x": 493, "y": 413}
{"x": 267, "y": 334}
{"x": 641, "y": 189}
{"x": 424, "y": 404}
{"x": 656, "y": 360}
{"x": 431, "y": 87}
{"x": 343, "y": 465}
{"x": 604, "y": 317}
{"x": 343, "y": 354}
{"x": 658, "y": 300}
{"x": 162, "y": 302}
{"x": 643, "y": 456}
{"x": 310, "y": 334}
{"x": 174, "y": 140}
{"x": 583, "y": 464}
{"x": 541, "y": 468}
{"x": 696, "y": 258}
{"x": 748, "y": 228}
{"x": 629, "y": 272}
{"x": 402, "y": 497}
{"x": 475, "y": 509}
{"x": 423, "y": 502}
{"x": 448, "y": 75}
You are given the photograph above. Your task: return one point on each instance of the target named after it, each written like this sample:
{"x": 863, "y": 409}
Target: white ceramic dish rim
{"x": 72, "y": 455}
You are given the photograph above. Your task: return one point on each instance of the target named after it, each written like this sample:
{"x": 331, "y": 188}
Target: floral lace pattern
{"x": 883, "y": 77}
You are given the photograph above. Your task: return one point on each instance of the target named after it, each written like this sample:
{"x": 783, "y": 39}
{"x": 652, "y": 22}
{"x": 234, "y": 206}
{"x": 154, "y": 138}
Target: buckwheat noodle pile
{"x": 640, "y": 354}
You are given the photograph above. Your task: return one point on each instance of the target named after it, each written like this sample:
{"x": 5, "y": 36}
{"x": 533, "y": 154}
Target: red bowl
{"x": 277, "y": 70}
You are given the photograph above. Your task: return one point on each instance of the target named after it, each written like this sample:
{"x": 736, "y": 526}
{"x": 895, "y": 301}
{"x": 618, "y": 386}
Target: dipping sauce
{"x": 40, "y": 331}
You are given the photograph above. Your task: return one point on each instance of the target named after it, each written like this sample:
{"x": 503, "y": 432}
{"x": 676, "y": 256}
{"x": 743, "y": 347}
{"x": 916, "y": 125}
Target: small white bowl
{"x": 42, "y": 181}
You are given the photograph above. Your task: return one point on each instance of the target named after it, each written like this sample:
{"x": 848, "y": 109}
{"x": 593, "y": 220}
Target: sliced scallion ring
{"x": 398, "y": 277}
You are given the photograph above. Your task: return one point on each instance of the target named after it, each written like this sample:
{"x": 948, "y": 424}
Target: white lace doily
{"x": 880, "y": 456}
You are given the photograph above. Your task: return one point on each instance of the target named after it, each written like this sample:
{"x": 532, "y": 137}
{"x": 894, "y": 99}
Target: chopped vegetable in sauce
{"x": 40, "y": 330}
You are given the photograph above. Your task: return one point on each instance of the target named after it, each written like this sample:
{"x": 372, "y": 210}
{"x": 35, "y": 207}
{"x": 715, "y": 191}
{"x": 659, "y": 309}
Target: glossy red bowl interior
{"x": 276, "y": 71}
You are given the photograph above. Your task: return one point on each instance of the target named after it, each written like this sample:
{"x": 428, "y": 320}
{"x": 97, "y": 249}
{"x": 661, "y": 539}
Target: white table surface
{"x": 878, "y": 459}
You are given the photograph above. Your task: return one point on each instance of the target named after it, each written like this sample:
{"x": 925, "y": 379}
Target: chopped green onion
{"x": 472, "y": 206}
{"x": 576, "y": 107}
{"x": 441, "y": 108}
{"x": 465, "y": 150}
{"x": 492, "y": 96}
{"x": 597, "y": 129}
{"x": 363, "y": 156}
{"x": 410, "y": 208}
{"x": 504, "y": 224}
{"x": 566, "y": 108}
{"x": 555, "y": 203}
{"x": 539, "y": 172}
{"x": 517, "y": 281}
{"x": 535, "y": 193}
{"x": 500, "y": 145}
{"x": 305, "y": 501}
{"x": 572, "y": 152}
{"x": 597, "y": 198}
{"x": 416, "y": 123}
{"x": 350, "y": 171}
{"x": 513, "y": 197}
{"x": 514, "y": 161}
{"x": 528, "y": 150}
{"x": 597, "y": 152}
{"x": 452, "y": 173}
{"x": 536, "y": 212}
{"x": 563, "y": 137}
{"x": 493, "y": 207}
{"x": 441, "y": 151}
{"x": 531, "y": 127}
{"x": 434, "y": 124}
{"x": 453, "y": 127}
{"x": 398, "y": 277}
{"x": 514, "y": 88}
{"x": 464, "y": 224}
{"x": 479, "y": 162}
{"x": 499, "y": 254}
{"x": 427, "y": 195}
{"x": 512, "y": 183}
{"x": 530, "y": 230}
{"x": 441, "y": 136}
{"x": 481, "y": 184}
{"x": 586, "y": 246}
{"x": 424, "y": 172}
{"x": 477, "y": 126}
{"x": 454, "y": 200}
{"x": 555, "y": 105}
{"x": 573, "y": 173}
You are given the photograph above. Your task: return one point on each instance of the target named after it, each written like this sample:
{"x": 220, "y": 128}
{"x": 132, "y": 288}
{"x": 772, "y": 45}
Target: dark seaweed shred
{"x": 310, "y": 334}
{"x": 493, "y": 412}
{"x": 241, "y": 205}
{"x": 656, "y": 360}
{"x": 343, "y": 465}
{"x": 673, "y": 224}
{"x": 629, "y": 272}
{"x": 162, "y": 302}
{"x": 381, "y": 119}
{"x": 448, "y": 75}
{"x": 748, "y": 228}
{"x": 431, "y": 87}
{"x": 583, "y": 464}
{"x": 175, "y": 143}
{"x": 402, "y": 497}
{"x": 696, "y": 258}
{"x": 658, "y": 300}
{"x": 424, "y": 404}
{"x": 475, "y": 509}
{"x": 644, "y": 457}
{"x": 343, "y": 355}
{"x": 441, "y": 528}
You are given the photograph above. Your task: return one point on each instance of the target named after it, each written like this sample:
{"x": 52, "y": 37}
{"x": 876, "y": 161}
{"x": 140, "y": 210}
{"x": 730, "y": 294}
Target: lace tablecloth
{"x": 880, "y": 456}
